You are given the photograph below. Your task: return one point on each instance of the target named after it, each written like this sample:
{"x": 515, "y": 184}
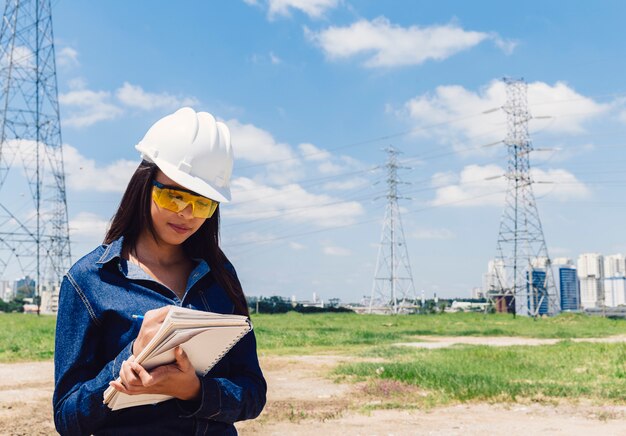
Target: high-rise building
{"x": 24, "y": 288}
{"x": 614, "y": 282}
{"x": 614, "y": 291}
{"x": 496, "y": 273}
{"x": 591, "y": 274}
{"x": 614, "y": 266}
{"x": 6, "y": 290}
{"x": 50, "y": 297}
{"x": 537, "y": 293}
{"x": 566, "y": 280}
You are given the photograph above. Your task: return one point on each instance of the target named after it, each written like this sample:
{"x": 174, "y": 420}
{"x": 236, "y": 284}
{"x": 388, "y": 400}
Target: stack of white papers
{"x": 205, "y": 336}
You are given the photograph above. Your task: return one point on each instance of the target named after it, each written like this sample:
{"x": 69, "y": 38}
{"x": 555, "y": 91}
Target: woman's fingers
{"x": 150, "y": 325}
{"x": 128, "y": 376}
{"x": 119, "y": 387}
{"x": 144, "y": 376}
{"x": 182, "y": 360}
{"x": 155, "y": 316}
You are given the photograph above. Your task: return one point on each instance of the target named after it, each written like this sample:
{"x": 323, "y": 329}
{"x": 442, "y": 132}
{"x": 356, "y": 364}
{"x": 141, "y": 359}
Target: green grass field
{"x": 407, "y": 377}
{"x": 26, "y": 337}
{"x": 29, "y": 337}
{"x": 308, "y": 333}
{"x": 462, "y": 373}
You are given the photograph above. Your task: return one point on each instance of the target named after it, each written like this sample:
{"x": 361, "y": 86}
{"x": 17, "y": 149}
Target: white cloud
{"x": 313, "y": 8}
{"x": 330, "y": 168}
{"x": 311, "y": 152}
{"x": 275, "y": 59}
{"x": 506, "y": 45}
{"x": 443, "y": 179}
{"x": 280, "y": 165}
{"x": 135, "y": 96}
{"x": 558, "y": 184}
{"x": 67, "y": 57}
{"x": 336, "y": 251}
{"x": 84, "y": 174}
{"x": 87, "y": 225}
{"x": 486, "y": 185}
{"x": 86, "y": 107}
{"x": 290, "y": 203}
{"x": 22, "y": 57}
{"x": 388, "y": 45}
{"x": 432, "y": 234}
{"x": 327, "y": 163}
{"x": 255, "y": 144}
{"x": 464, "y": 121}
{"x": 296, "y": 246}
{"x": 346, "y": 185}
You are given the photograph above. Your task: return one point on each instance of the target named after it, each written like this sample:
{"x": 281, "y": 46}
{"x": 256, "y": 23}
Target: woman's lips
{"x": 179, "y": 229}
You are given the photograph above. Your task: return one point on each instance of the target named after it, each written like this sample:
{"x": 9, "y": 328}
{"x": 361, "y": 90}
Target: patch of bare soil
{"x": 303, "y": 401}
{"x": 26, "y": 398}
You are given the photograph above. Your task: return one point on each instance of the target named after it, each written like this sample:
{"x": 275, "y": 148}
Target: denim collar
{"x": 113, "y": 251}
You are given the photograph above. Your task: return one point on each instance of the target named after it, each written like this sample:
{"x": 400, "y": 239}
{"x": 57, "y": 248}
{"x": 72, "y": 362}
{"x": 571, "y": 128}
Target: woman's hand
{"x": 151, "y": 324}
{"x": 177, "y": 379}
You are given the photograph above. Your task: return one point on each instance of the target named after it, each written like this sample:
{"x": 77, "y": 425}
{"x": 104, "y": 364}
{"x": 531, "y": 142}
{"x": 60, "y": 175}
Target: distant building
{"x": 50, "y": 298}
{"x": 614, "y": 282}
{"x": 478, "y": 293}
{"x": 536, "y": 300}
{"x": 6, "y": 290}
{"x": 614, "y": 266}
{"x": 495, "y": 278}
{"x": 24, "y": 288}
{"x": 466, "y": 306}
{"x": 614, "y": 291}
{"x": 566, "y": 281}
{"x": 591, "y": 274}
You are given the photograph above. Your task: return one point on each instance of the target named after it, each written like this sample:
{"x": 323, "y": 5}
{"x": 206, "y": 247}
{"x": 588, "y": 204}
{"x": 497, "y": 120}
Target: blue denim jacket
{"x": 94, "y": 335}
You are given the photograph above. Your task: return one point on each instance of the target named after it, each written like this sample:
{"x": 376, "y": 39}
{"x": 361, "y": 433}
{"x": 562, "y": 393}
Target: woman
{"x": 161, "y": 249}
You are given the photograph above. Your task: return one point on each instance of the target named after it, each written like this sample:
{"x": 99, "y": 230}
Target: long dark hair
{"x": 133, "y": 215}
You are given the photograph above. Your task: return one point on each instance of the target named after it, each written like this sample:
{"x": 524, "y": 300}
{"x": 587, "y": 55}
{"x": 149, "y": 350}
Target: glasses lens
{"x": 176, "y": 201}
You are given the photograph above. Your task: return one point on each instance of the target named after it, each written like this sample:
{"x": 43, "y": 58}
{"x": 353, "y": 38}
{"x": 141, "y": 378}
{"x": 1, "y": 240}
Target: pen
{"x": 139, "y": 317}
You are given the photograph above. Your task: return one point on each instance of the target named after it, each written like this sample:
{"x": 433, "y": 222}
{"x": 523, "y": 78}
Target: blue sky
{"x": 314, "y": 90}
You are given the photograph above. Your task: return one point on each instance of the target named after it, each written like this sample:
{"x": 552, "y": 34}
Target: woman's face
{"x": 173, "y": 228}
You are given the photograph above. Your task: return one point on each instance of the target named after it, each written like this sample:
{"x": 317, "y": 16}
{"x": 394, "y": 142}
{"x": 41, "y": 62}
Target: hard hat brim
{"x": 188, "y": 181}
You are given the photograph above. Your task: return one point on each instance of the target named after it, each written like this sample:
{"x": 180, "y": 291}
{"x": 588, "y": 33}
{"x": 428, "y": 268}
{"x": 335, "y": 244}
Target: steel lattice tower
{"x": 392, "y": 290}
{"x": 523, "y": 269}
{"x": 34, "y": 234}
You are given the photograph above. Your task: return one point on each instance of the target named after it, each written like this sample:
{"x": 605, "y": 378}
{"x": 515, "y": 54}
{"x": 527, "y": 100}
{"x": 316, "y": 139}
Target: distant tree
{"x": 15, "y": 305}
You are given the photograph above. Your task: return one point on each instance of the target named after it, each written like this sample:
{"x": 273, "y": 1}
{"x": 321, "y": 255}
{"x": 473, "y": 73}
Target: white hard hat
{"x": 192, "y": 149}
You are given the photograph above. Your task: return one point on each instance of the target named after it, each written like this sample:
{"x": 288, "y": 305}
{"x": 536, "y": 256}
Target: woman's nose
{"x": 187, "y": 212}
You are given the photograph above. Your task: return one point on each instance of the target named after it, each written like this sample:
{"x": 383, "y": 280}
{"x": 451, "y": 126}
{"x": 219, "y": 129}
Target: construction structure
{"x": 524, "y": 282}
{"x": 34, "y": 234}
{"x": 392, "y": 291}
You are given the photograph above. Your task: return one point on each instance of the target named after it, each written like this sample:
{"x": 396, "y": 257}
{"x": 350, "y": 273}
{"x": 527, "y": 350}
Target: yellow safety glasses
{"x": 177, "y": 199}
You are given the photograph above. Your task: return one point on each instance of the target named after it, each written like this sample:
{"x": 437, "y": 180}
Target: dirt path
{"x": 302, "y": 401}
{"x": 496, "y": 341}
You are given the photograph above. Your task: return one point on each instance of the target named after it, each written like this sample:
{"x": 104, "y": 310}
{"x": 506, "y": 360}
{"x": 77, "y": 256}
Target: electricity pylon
{"x": 34, "y": 234}
{"x": 524, "y": 283}
{"x": 392, "y": 290}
